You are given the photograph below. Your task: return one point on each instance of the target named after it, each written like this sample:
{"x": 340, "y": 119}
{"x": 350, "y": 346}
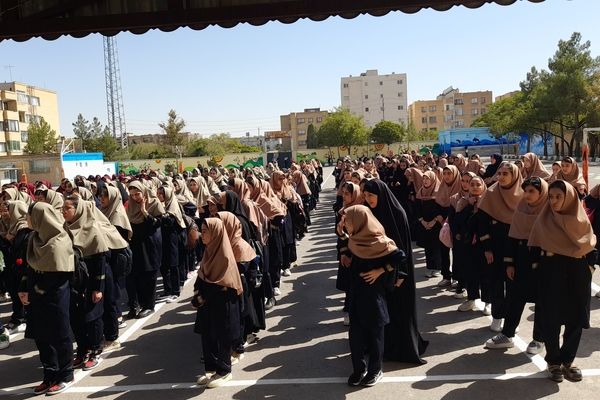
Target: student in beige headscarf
{"x": 217, "y": 292}
{"x": 94, "y": 237}
{"x": 46, "y": 292}
{"x": 533, "y": 167}
{"x": 570, "y": 173}
{"x": 12, "y": 193}
{"x": 55, "y": 199}
{"x": 563, "y": 236}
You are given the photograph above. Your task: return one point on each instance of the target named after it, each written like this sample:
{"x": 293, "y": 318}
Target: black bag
{"x": 121, "y": 262}
{"x": 81, "y": 275}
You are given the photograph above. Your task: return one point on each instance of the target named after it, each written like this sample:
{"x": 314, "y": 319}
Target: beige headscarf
{"x": 55, "y": 199}
{"x": 476, "y": 167}
{"x": 218, "y": 262}
{"x": 203, "y": 193}
{"x": 172, "y": 206}
{"x": 115, "y": 212}
{"x": 18, "y": 216}
{"x": 92, "y": 232}
{"x": 537, "y": 168}
{"x": 212, "y": 186}
{"x": 16, "y": 194}
{"x": 462, "y": 194}
{"x": 85, "y": 193}
{"x": 416, "y": 175}
{"x": 501, "y": 202}
{"x": 357, "y": 197}
{"x": 574, "y": 177}
{"x": 526, "y": 214}
{"x": 154, "y": 207}
{"x": 567, "y": 232}
{"x": 50, "y": 248}
{"x": 429, "y": 193}
{"x": 465, "y": 200}
{"x": 460, "y": 163}
{"x": 262, "y": 194}
{"x": 448, "y": 190}
{"x": 184, "y": 194}
{"x": 301, "y": 183}
{"x": 281, "y": 187}
{"x": 367, "y": 235}
{"x": 242, "y": 251}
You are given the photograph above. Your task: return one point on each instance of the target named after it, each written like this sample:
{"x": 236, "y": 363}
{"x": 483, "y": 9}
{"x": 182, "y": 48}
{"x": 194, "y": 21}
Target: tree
{"x": 387, "y": 132}
{"x": 41, "y": 138}
{"x": 105, "y": 143}
{"x": 82, "y": 131}
{"x": 342, "y": 128}
{"x": 312, "y": 137}
{"x": 173, "y": 128}
{"x": 95, "y": 128}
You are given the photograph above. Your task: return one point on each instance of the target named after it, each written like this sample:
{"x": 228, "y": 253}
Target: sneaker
{"x": 4, "y": 297}
{"x": 4, "y": 340}
{"x": 371, "y": 380}
{"x": 41, "y": 388}
{"x": 356, "y": 378}
{"x": 468, "y": 305}
{"x": 277, "y": 291}
{"x": 434, "y": 273}
{"x": 444, "y": 283}
{"x": 598, "y": 294}
{"x": 204, "y": 379}
{"x": 58, "y": 388}
{"x": 454, "y": 285}
{"x": 270, "y": 303}
{"x": 13, "y": 327}
{"x": 572, "y": 373}
{"x": 109, "y": 346}
{"x": 218, "y": 380}
{"x": 132, "y": 314}
{"x": 555, "y": 373}
{"x": 172, "y": 299}
{"x": 487, "y": 309}
{"x": 190, "y": 275}
{"x": 535, "y": 347}
{"x": 122, "y": 323}
{"x": 236, "y": 357}
{"x": 286, "y": 272}
{"x": 251, "y": 338}
{"x": 91, "y": 363}
{"x": 500, "y": 341}
{"x": 496, "y": 325}
{"x": 144, "y": 313}
{"x": 460, "y": 295}
{"x": 78, "y": 361}
{"x": 346, "y": 319}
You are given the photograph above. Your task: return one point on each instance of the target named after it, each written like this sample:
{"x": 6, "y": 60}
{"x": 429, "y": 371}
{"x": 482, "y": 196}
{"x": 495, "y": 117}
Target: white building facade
{"x": 376, "y": 97}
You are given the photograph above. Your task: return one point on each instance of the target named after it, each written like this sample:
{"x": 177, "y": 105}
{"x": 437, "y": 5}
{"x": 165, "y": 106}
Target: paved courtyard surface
{"x": 304, "y": 353}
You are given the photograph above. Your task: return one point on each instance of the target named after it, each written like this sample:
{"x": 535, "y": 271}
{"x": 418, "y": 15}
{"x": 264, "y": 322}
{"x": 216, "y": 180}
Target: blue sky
{"x": 241, "y": 79}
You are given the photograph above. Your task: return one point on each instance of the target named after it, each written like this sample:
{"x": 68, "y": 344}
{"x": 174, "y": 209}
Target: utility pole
{"x": 114, "y": 95}
{"x": 383, "y": 107}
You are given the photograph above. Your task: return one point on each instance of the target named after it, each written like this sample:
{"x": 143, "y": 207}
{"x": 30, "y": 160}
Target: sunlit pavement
{"x": 304, "y": 354}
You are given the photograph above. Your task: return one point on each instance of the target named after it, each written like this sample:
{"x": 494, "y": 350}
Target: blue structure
{"x": 460, "y": 138}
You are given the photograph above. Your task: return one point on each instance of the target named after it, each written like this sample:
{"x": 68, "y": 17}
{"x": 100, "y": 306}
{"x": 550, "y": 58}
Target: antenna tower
{"x": 114, "y": 95}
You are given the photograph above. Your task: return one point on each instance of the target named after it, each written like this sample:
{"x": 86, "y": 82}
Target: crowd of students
{"x": 70, "y": 253}
{"x": 499, "y": 236}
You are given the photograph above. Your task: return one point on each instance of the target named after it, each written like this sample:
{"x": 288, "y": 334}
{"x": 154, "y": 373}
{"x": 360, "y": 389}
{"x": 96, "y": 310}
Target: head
{"x": 532, "y": 188}
{"x": 40, "y": 195}
{"x": 193, "y": 186}
{"x": 557, "y": 193}
{"x": 465, "y": 181}
{"x": 526, "y": 162}
{"x": 347, "y": 174}
{"x": 370, "y": 199}
{"x": 505, "y": 175}
{"x": 428, "y": 179}
{"x": 447, "y": 176}
{"x": 493, "y": 159}
{"x": 69, "y": 208}
{"x": 566, "y": 165}
{"x": 136, "y": 195}
{"x": 161, "y": 194}
{"x": 347, "y": 191}
{"x": 205, "y": 234}
{"x": 213, "y": 173}
{"x": 355, "y": 178}
{"x": 103, "y": 197}
{"x": 476, "y": 186}
{"x": 4, "y": 213}
{"x": 556, "y": 168}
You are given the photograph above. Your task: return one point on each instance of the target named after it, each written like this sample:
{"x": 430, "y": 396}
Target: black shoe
{"x": 555, "y": 373}
{"x": 372, "y": 379}
{"x": 133, "y": 312}
{"x": 356, "y": 378}
{"x": 144, "y": 313}
{"x": 270, "y": 303}
{"x": 572, "y": 373}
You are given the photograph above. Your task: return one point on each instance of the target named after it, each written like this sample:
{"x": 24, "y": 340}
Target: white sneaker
{"x": 468, "y": 305}
{"x": 107, "y": 347}
{"x": 346, "y": 319}
{"x": 4, "y": 340}
{"x": 277, "y": 291}
{"x": 496, "y": 325}
{"x": 13, "y": 328}
{"x": 535, "y": 347}
{"x": 500, "y": 341}
{"x": 251, "y": 338}
{"x": 286, "y": 272}
{"x": 460, "y": 295}
{"x": 4, "y": 297}
{"x": 172, "y": 299}
{"x": 236, "y": 357}
{"x": 433, "y": 273}
{"x": 444, "y": 283}
{"x": 598, "y": 294}
{"x": 204, "y": 379}
{"x": 218, "y": 380}
{"x": 487, "y": 309}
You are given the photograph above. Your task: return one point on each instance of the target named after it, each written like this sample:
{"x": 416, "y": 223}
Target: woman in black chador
{"x": 403, "y": 342}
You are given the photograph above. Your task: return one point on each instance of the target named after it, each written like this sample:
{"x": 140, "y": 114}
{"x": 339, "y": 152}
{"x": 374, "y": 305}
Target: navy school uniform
{"x": 169, "y": 269}
{"x": 429, "y": 239}
{"x": 476, "y": 273}
{"x": 14, "y": 269}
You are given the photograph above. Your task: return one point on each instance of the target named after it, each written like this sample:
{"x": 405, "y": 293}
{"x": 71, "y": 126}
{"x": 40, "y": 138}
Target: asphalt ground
{"x": 304, "y": 353}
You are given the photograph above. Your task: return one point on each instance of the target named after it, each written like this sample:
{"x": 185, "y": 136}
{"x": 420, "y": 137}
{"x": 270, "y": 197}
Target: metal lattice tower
{"x": 114, "y": 96}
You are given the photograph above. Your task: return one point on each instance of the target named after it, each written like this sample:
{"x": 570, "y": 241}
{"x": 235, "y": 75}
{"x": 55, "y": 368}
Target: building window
{"x": 366, "y": 83}
{"x": 346, "y": 98}
{"x": 474, "y": 111}
{"x": 21, "y": 116}
{"x": 345, "y": 85}
{"x": 34, "y": 100}
{"x": 380, "y": 83}
{"x": 459, "y": 124}
{"x": 483, "y": 100}
{"x": 24, "y": 136}
{"x": 483, "y": 111}
{"x": 22, "y": 97}
{"x": 2, "y": 147}
{"x": 399, "y": 81}
{"x": 302, "y": 143}
{"x": 299, "y": 120}
{"x": 399, "y": 94}
{"x": 432, "y": 108}
{"x": 449, "y": 118}
{"x": 301, "y": 132}
{"x": 366, "y": 109}
{"x": 366, "y": 96}
{"x": 423, "y": 109}
{"x": 458, "y": 102}
{"x": 447, "y": 107}
{"x": 39, "y": 166}
{"x": 433, "y": 120}
{"x": 400, "y": 107}
{"x": 381, "y": 96}
{"x": 310, "y": 120}
{"x": 458, "y": 111}
{"x": 32, "y": 118}
{"x": 474, "y": 100}
{"x": 319, "y": 119}
{"x": 423, "y": 120}
{"x": 14, "y": 145}
{"x": 11, "y": 125}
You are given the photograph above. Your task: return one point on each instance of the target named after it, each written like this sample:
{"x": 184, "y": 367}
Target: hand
{"x": 489, "y": 257}
{"x": 96, "y": 296}
{"x": 510, "y": 272}
{"x": 399, "y": 282}
{"x": 425, "y": 224}
{"x": 143, "y": 206}
{"x": 472, "y": 200}
{"x": 431, "y": 223}
{"x": 371, "y": 276}
{"x": 345, "y": 260}
{"x": 24, "y": 297}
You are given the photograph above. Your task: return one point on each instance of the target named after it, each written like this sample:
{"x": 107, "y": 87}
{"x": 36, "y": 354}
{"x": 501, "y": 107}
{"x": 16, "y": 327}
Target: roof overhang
{"x": 21, "y": 20}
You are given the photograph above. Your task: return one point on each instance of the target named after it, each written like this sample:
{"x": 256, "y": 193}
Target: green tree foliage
{"x": 342, "y": 128}
{"x": 105, "y": 143}
{"x": 173, "y": 128}
{"x": 387, "y": 132}
{"x": 82, "y": 131}
{"x": 41, "y": 138}
{"x": 312, "y": 137}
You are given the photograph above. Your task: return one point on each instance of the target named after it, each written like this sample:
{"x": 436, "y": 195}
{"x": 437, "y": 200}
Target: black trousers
{"x": 216, "y": 350}
{"x": 141, "y": 289}
{"x": 171, "y": 279}
{"x": 565, "y": 354}
{"x": 366, "y": 340}
{"x": 445, "y": 254}
{"x": 516, "y": 305}
{"x": 499, "y": 287}
{"x": 88, "y": 335}
{"x": 57, "y": 360}
{"x": 13, "y": 280}
{"x": 112, "y": 312}
{"x": 275, "y": 257}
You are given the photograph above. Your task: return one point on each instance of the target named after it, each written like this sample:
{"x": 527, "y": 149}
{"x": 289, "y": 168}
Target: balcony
{"x": 6, "y": 95}
{"x": 7, "y": 114}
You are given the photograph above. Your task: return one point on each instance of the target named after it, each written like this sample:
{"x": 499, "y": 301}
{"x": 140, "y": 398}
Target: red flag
{"x": 584, "y": 163}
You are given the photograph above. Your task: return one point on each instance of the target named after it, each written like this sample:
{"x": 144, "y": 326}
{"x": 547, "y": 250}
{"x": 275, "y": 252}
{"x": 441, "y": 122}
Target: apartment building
{"x": 19, "y": 105}
{"x": 297, "y": 123}
{"x": 376, "y": 97}
{"x": 451, "y": 109}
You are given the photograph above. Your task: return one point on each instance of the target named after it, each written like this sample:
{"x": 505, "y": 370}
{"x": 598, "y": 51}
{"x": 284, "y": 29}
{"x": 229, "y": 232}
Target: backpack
{"x": 81, "y": 275}
{"x": 192, "y": 231}
{"x": 121, "y": 262}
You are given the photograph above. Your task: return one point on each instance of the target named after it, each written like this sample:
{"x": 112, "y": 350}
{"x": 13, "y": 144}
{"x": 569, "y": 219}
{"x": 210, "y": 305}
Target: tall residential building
{"x": 20, "y": 104}
{"x": 507, "y": 95}
{"x": 297, "y": 123}
{"x": 451, "y": 109}
{"x": 376, "y": 97}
